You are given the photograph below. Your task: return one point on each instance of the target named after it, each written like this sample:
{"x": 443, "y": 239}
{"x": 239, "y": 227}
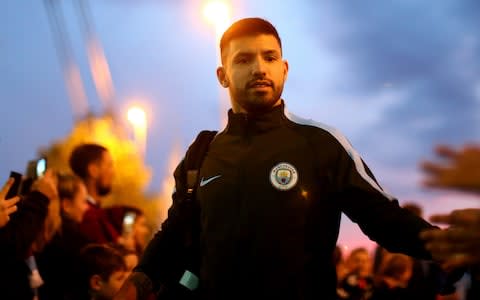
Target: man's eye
{"x": 270, "y": 58}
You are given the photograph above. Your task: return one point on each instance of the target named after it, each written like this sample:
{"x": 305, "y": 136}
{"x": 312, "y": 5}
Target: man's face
{"x": 254, "y": 72}
{"x": 109, "y": 288}
{"x": 105, "y": 174}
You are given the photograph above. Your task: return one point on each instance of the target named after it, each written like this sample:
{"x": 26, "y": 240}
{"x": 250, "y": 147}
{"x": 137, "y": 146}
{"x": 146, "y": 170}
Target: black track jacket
{"x": 271, "y": 192}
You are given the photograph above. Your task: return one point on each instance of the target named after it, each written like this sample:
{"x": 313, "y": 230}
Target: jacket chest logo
{"x": 283, "y": 176}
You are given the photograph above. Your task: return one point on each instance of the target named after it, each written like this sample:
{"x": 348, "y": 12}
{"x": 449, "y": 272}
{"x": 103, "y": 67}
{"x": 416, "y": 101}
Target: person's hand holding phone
{"x": 7, "y": 206}
{"x": 47, "y": 185}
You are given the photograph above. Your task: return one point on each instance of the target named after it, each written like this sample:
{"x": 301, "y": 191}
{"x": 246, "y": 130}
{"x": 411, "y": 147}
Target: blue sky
{"x": 395, "y": 77}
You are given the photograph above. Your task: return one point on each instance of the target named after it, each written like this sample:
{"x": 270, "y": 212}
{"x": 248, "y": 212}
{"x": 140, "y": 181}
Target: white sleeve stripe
{"x": 359, "y": 166}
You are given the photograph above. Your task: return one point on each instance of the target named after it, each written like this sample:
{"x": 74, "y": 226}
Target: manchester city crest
{"x": 284, "y": 176}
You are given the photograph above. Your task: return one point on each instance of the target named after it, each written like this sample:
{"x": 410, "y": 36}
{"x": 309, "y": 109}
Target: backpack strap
{"x": 194, "y": 158}
{"x": 191, "y": 239}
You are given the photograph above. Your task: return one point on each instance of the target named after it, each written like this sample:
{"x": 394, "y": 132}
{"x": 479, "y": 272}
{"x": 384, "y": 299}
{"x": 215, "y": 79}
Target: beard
{"x": 257, "y": 102}
{"x": 103, "y": 190}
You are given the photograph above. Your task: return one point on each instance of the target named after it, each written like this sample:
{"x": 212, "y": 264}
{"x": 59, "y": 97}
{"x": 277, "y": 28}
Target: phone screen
{"x": 41, "y": 167}
{"x": 128, "y": 221}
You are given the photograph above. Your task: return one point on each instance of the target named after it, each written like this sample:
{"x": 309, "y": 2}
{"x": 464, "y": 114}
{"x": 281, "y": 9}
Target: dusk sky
{"x": 396, "y": 77}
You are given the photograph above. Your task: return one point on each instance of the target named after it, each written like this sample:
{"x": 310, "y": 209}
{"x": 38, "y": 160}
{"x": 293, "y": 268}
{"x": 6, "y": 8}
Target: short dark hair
{"x": 248, "y": 27}
{"x": 84, "y": 155}
{"x": 100, "y": 259}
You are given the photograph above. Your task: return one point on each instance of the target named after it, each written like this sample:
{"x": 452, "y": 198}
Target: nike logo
{"x": 204, "y": 182}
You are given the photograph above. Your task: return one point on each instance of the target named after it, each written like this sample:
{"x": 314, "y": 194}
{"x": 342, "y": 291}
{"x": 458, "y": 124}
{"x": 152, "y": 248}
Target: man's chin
{"x": 260, "y": 106}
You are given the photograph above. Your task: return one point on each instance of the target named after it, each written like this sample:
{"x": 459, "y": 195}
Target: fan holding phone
{"x": 17, "y": 185}
{"x": 133, "y": 225}
{"x": 8, "y": 205}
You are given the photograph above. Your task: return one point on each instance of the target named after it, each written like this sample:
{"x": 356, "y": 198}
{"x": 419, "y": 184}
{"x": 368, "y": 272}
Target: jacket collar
{"x": 242, "y": 123}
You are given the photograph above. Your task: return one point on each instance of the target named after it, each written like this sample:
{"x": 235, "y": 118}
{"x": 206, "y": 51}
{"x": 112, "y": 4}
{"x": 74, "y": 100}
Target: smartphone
{"x": 128, "y": 221}
{"x": 16, "y": 186}
{"x": 41, "y": 167}
{"x": 36, "y": 168}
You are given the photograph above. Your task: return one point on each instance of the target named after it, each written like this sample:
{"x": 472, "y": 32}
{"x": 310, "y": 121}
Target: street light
{"x": 218, "y": 14}
{"x": 137, "y": 117}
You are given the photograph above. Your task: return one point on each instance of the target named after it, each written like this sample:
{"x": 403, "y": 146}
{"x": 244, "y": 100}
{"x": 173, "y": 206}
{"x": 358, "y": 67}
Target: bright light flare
{"x": 137, "y": 116}
{"x": 218, "y": 13}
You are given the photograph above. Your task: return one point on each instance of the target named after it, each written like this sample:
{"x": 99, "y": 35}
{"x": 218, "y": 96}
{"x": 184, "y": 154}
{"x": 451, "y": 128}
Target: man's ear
{"x": 95, "y": 282}
{"x": 285, "y": 70}
{"x": 92, "y": 170}
{"x": 222, "y": 76}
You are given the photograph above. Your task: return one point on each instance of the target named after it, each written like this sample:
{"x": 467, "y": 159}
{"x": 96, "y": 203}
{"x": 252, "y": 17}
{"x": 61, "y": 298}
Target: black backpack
{"x": 187, "y": 287}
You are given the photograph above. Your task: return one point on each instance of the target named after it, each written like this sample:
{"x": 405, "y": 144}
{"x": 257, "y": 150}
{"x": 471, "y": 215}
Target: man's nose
{"x": 259, "y": 67}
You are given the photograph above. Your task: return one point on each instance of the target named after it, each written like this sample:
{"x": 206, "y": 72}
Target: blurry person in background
{"x": 36, "y": 220}
{"x": 132, "y": 224}
{"x": 141, "y": 233}
{"x": 94, "y": 165}
{"x": 358, "y": 283}
{"x": 73, "y": 198}
{"x": 56, "y": 262}
{"x": 7, "y": 206}
{"x": 459, "y": 244}
{"x": 102, "y": 272}
{"x": 130, "y": 257}
{"x": 393, "y": 277}
{"x": 339, "y": 262}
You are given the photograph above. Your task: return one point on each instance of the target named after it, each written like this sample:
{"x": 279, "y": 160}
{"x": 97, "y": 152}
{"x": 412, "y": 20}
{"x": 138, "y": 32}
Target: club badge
{"x": 283, "y": 176}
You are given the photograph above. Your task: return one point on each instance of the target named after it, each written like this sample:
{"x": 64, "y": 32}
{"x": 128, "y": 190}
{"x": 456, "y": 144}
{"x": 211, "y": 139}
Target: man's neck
{"x": 92, "y": 192}
{"x": 237, "y": 108}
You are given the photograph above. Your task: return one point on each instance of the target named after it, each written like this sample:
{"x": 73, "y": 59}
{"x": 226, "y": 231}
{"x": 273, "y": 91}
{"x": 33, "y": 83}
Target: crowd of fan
{"x": 57, "y": 242}
{"x": 392, "y": 276}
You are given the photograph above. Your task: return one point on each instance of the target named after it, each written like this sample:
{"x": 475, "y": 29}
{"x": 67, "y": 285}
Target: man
{"x": 94, "y": 165}
{"x": 271, "y": 192}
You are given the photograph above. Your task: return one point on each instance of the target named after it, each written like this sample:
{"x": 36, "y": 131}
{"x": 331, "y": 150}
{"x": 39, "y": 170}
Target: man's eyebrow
{"x": 250, "y": 53}
{"x": 243, "y": 53}
{"x": 272, "y": 51}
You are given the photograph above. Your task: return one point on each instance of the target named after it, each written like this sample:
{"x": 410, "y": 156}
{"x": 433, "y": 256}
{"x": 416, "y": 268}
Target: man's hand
{"x": 459, "y": 244}
{"x": 7, "y": 206}
{"x": 47, "y": 185}
{"x": 457, "y": 169}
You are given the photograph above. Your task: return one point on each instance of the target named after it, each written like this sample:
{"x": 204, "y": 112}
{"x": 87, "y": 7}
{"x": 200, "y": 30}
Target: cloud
{"x": 432, "y": 53}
